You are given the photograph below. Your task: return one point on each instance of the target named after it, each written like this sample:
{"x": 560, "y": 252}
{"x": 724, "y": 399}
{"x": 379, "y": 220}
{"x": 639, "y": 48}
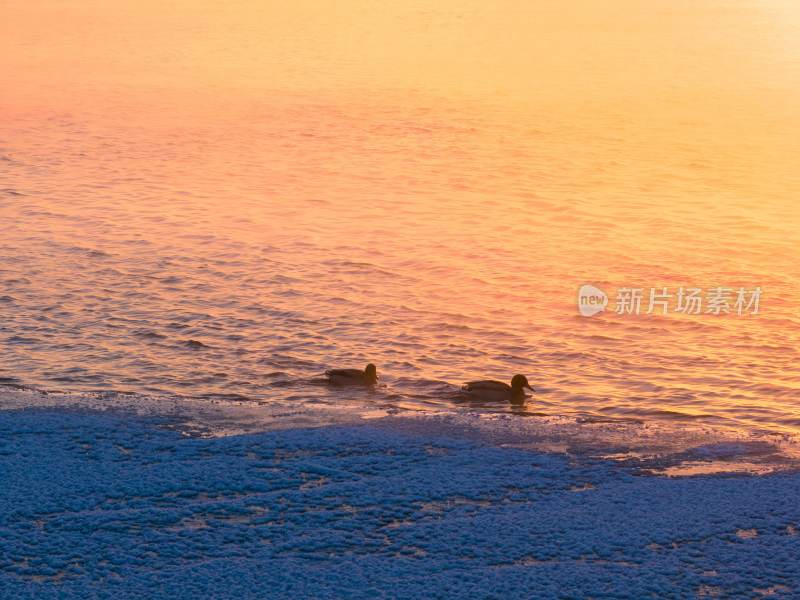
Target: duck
{"x": 369, "y": 376}
{"x": 496, "y": 391}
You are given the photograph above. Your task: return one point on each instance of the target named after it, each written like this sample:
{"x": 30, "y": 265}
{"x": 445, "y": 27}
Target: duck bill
{"x": 529, "y": 387}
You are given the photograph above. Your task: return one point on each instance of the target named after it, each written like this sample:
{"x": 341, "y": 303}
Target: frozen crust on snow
{"x": 102, "y": 505}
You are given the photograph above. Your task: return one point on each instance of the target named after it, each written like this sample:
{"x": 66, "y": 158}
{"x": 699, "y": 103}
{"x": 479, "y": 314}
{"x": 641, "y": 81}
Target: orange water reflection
{"x": 423, "y": 187}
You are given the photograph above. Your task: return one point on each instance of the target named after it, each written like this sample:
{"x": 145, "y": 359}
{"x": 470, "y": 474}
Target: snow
{"x": 110, "y": 505}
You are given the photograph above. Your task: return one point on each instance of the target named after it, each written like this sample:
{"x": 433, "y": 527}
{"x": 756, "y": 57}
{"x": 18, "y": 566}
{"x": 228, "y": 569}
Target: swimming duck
{"x": 496, "y": 391}
{"x": 368, "y": 376}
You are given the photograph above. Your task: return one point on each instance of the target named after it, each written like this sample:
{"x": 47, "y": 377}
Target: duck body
{"x": 497, "y": 391}
{"x": 367, "y": 377}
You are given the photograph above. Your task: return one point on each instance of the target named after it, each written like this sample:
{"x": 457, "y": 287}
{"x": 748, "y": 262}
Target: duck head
{"x": 371, "y": 373}
{"x": 518, "y": 382}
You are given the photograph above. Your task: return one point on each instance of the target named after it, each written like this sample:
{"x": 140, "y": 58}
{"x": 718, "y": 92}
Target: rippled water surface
{"x": 224, "y": 201}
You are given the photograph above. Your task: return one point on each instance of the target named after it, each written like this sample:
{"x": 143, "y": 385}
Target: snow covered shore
{"x": 101, "y": 505}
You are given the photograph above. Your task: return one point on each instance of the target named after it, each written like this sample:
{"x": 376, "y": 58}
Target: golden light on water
{"x": 482, "y": 160}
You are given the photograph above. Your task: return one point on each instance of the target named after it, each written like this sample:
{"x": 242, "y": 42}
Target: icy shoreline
{"x": 111, "y": 505}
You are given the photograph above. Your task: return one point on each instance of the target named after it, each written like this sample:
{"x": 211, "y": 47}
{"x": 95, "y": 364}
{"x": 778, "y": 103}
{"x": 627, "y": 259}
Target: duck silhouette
{"x": 497, "y": 391}
{"x": 369, "y": 376}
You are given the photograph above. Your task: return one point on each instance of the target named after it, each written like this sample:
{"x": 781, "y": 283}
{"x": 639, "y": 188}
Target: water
{"x": 220, "y": 203}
